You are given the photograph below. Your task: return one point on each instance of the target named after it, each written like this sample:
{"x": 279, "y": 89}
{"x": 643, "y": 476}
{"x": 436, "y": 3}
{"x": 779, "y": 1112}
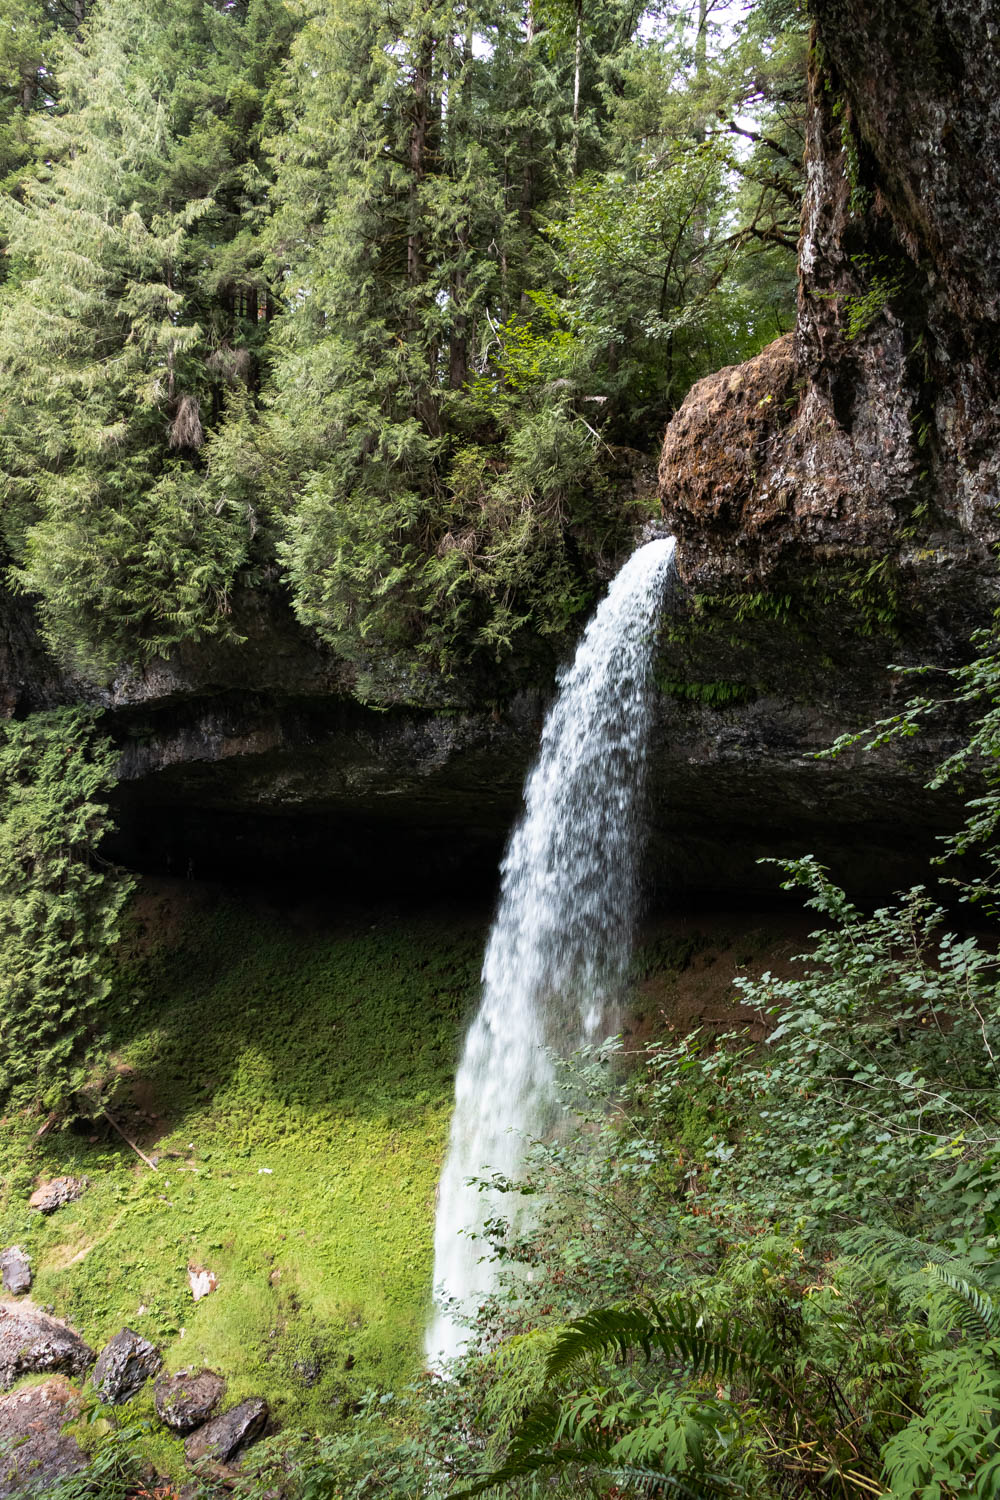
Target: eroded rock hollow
{"x": 834, "y": 502}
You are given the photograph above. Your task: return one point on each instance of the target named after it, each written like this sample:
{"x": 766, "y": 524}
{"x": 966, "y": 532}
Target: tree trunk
{"x": 458, "y": 343}
{"x": 577, "y": 67}
{"x": 418, "y": 156}
{"x": 528, "y": 148}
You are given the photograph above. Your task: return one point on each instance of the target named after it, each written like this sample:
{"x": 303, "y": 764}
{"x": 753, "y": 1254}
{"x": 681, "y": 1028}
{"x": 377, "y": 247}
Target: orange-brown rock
{"x": 873, "y": 431}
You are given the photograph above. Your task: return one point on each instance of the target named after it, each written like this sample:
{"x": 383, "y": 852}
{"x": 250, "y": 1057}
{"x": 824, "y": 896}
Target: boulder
{"x": 32, "y": 1343}
{"x": 187, "y": 1400}
{"x": 225, "y": 1437}
{"x": 123, "y": 1367}
{"x": 34, "y": 1452}
{"x": 52, "y": 1195}
{"x": 15, "y": 1270}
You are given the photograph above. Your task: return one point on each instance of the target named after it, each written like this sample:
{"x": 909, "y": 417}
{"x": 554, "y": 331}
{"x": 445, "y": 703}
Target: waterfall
{"x": 560, "y": 944}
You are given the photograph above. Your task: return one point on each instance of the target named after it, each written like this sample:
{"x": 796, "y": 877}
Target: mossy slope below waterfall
{"x": 292, "y": 1074}
{"x": 290, "y": 1069}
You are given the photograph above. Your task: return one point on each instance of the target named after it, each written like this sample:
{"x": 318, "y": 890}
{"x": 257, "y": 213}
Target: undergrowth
{"x": 294, "y": 1083}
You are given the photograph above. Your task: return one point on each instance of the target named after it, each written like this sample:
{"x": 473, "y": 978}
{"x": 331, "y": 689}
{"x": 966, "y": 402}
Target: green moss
{"x": 303, "y": 1079}
{"x": 861, "y": 197}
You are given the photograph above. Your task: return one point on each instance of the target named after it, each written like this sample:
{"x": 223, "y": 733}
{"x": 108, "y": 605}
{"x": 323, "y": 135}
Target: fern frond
{"x": 537, "y": 1428}
{"x": 645, "y": 1480}
{"x": 681, "y": 1333}
{"x": 884, "y": 1248}
{"x": 906, "y": 1264}
{"x": 652, "y": 1482}
{"x": 973, "y": 1307}
{"x": 607, "y": 1330}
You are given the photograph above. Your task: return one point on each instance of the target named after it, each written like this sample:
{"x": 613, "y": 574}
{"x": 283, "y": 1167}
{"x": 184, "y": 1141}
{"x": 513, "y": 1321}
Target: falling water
{"x": 560, "y": 944}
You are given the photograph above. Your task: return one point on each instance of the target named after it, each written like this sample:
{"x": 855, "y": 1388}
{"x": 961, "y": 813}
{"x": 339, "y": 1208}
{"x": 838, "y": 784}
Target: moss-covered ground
{"x": 292, "y": 1077}
{"x": 290, "y": 1072}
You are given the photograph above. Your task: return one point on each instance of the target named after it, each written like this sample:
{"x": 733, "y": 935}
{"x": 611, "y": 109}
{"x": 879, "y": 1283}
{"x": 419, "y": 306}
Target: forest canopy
{"x": 383, "y": 304}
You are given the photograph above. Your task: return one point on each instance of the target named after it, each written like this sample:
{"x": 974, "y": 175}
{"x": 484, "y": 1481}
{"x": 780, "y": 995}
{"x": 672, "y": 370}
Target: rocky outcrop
{"x": 874, "y": 431}
{"x": 34, "y": 1451}
{"x": 835, "y": 506}
{"x": 32, "y": 1343}
{"x": 123, "y": 1367}
{"x": 225, "y": 1438}
{"x": 835, "y": 499}
{"x": 15, "y": 1271}
{"x": 49, "y": 1196}
{"x": 186, "y": 1401}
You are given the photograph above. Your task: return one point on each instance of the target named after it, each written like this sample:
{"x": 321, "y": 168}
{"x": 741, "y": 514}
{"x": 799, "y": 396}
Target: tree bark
{"x": 528, "y": 172}
{"x": 418, "y": 156}
{"x": 577, "y": 68}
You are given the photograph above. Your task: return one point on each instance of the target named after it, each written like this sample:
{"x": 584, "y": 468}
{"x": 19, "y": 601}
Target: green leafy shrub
{"x": 61, "y": 906}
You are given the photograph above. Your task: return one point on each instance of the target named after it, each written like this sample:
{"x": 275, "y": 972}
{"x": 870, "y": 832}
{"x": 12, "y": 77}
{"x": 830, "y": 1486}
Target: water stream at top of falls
{"x": 560, "y": 944}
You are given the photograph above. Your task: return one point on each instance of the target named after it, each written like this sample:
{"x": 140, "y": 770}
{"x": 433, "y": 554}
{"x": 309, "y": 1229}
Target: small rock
{"x": 123, "y": 1367}
{"x": 15, "y": 1270}
{"x": 308, "y": 1370}
{"x": 201, "y": 1281}
{"x": 52, "y": 1195}
{"x": 226, "y": 1436}
{"x": 186, "y": 1401}
{"x": 32, "y": 1343}
{"x": 34, "y": 1453}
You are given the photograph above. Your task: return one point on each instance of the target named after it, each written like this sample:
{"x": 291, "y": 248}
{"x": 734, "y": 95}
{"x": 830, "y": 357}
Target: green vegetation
{"x": 812, "y": 1299}
{"x": 782, "y": 638}
{"x": 132, "y": 326}
{"x": 756, "y": 1271}
{"x": 384, "y": 305}
{"x": 765, "y": 1261}
{"x": 60, "y": 911}
{"x": 388, "y": 301}
{"x": 294, "y": 1083}
{"x": 715, "y": 694}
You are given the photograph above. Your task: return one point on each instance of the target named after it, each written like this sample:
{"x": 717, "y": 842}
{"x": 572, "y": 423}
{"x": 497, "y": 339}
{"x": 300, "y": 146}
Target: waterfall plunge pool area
{"x": 290, "y": 1067}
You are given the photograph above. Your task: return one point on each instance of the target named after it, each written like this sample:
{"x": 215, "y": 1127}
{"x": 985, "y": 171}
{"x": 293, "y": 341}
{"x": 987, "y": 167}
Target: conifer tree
{"x": 387, "y": 195}
{"x": 133, "y": 324}
{"x": 429, "y": 141}
{"x": 468, "y": 253}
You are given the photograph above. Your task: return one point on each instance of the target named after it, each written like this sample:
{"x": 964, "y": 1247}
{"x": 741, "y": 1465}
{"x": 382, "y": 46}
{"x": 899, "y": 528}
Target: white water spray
{"x": 560, "y": 944}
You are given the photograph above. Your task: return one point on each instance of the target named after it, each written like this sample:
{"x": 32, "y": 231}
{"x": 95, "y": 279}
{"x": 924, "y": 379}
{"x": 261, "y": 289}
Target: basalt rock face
{"x": 835, "y": 507}
{"x": 835, "y": 499}
{"x": 370, "y": 799}
{"x": 123, "y": 1367}
{"x": 32, "y": 1343}
{"x": 874, "y": 430}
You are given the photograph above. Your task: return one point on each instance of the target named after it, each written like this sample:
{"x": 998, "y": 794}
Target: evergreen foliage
{"x": 391, "y": 300}
{"x": 29, "y": 37}
{"x": 60, "y": 908}
{"x": 132, "y": 327}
